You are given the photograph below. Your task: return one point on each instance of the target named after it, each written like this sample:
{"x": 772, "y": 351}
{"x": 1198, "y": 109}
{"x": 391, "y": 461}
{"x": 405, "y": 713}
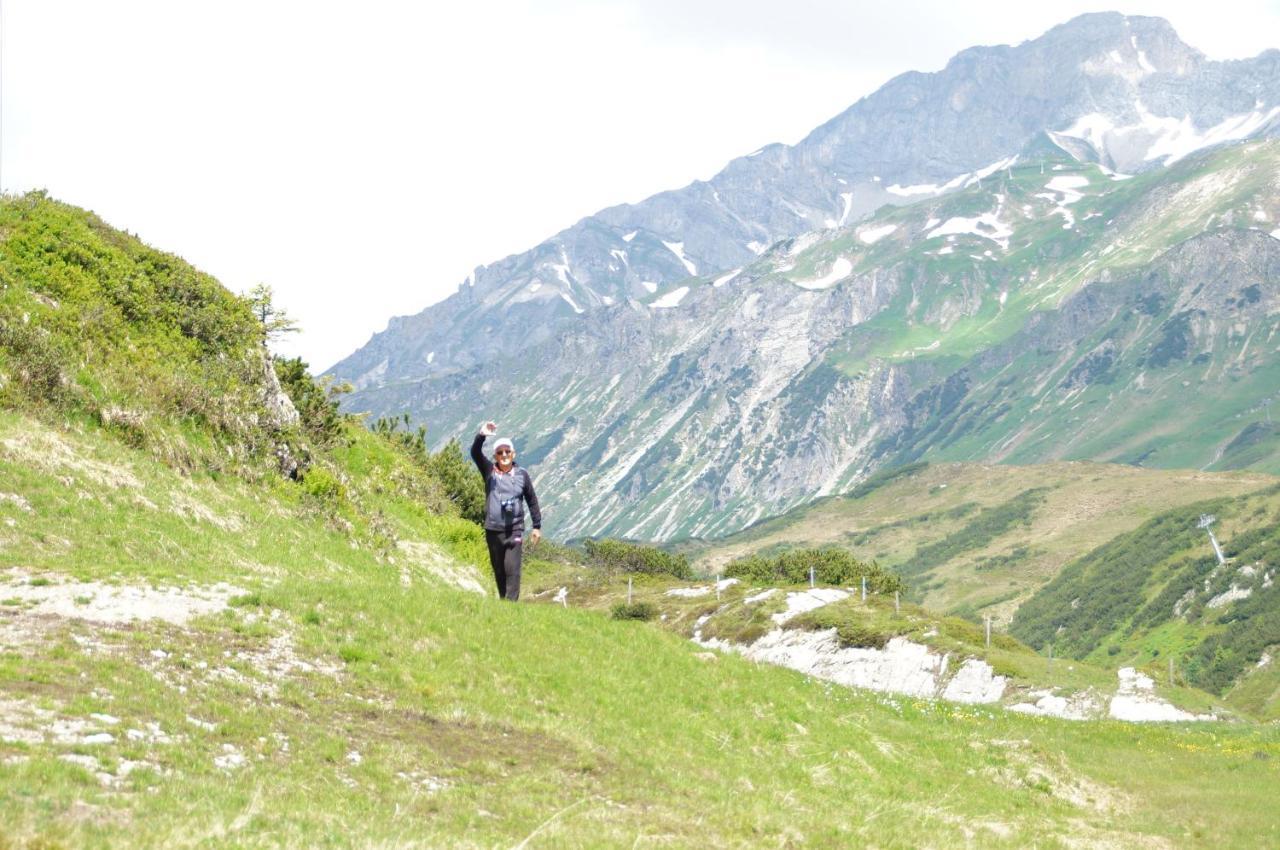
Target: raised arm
{"x": 477, "y": 454}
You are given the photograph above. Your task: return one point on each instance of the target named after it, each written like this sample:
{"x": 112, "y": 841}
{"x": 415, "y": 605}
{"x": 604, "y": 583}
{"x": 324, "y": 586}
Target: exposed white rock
{"x": 672, "y": 298}
{"x": 975, "y": 682}
{"x": 1136, "y": 701}
{"x": 798, "y": 602}
{"x": 757, "y": 597}
{"x": 1078, "y": 706}
{"x": 1231, "y": 594}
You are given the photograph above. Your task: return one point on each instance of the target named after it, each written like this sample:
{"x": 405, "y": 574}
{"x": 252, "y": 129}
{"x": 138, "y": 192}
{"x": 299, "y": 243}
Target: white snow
{"x": 847, "y": 197}
{"x": 873, "y": 235}
{"x": 1275, "y": 234}
{"x": 672, "y": 298}
{"x": 801, "y": 601}
{"x": 757, "y": 248}
{"x": 630, "y": 236}
{"x": 677, "y": 248}
{"x": 1171, "y": 138}
{"x": 649, "y": 285}
{"x": 802, "y": 243}
{"x": 431, "y": 355}
{"x": 995, "y": 230}
{"x": 945, "y": 249}
{"x": 726, "y": 277}
{"x": 917, "y": 189}
{"x": 535, "y": 286}
{"x": 839, "y": 271}
{"x": 620, "y": 255}
{"x": 571, "y": 303}
{"x": 1067, "y": 182}
{"x": 1259, "y": 215}
{"x": 1144, "y": 63}
{"x": 607, "y": 300}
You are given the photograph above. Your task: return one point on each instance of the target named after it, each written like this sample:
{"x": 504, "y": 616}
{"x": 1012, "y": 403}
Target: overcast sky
{"x": 362, "y": 158}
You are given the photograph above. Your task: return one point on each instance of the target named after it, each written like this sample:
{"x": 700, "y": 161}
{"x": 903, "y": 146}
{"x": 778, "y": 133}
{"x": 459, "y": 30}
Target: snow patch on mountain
{"x": 1169, "y": 139}
{"x": 726, "y": 277}
{"x": 672, "y": 298}
{"x": 988, "y": 226}
{"x": 628, "y": 237}
{"x": 757, "y": 248}
{"x": 873, "y": 235}
{"x": 839, "y": 271}
{"x": 569, "y": 300}
{"x": 677, "y": 248}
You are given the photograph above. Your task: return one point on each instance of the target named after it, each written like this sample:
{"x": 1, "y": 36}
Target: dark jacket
{"x": 505, "y": 494}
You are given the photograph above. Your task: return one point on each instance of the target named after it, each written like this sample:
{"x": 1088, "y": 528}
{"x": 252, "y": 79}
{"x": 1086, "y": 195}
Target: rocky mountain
{"x": 960, "y": 266}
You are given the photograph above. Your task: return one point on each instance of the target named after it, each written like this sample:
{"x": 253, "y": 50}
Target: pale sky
{"x": 362, "y": 158}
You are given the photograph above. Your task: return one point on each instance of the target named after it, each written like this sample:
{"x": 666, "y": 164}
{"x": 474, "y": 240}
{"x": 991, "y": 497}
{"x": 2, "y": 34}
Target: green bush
{"x": 831, "y": 565}
{"x": 633, "y": 611}
{"x": 323, "y": 484}
{"x": 461, "y": 481}
{"x": 636, "y": 558}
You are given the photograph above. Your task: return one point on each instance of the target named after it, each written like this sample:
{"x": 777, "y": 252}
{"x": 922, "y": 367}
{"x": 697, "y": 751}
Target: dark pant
{"x": 504, "y": 556}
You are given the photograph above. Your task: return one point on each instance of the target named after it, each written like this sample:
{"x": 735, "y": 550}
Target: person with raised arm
{"x": 508, "y": 489}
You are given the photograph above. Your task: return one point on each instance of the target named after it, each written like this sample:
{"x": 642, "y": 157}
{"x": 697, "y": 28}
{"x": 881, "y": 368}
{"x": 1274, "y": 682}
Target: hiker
{"x": 507, "y": 489}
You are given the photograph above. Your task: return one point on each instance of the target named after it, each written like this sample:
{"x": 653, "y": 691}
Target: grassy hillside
{"x": 197, "y": 650}
{"x": 1158, "y": 593}
{"x": 981, "y": 538}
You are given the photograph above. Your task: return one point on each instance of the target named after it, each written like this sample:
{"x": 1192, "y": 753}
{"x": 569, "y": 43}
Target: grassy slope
{"x": 1084, "y": 506}
{"x": 539, "y": 721}
{"x": 427, "y": 716}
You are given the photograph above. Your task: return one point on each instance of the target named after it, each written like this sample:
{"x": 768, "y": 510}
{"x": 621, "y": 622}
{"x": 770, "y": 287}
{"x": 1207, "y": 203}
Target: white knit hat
{"x": 504, "y": 442}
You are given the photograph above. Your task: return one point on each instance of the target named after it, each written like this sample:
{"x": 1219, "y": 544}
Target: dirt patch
{"x": 60, "y": 596}
{"x": 47, "y": 451}
{"x": 418, "y": 557}
{"x": 468, "y": 747}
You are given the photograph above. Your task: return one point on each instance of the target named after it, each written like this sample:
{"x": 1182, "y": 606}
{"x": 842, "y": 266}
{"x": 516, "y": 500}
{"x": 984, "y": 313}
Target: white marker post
{"x": 628, "y": 590}
{"x": 987, "y": 618}
{"x": 897, "y": 606}
{"x": 811, "y": 584}
{"x": 864, "y": 588}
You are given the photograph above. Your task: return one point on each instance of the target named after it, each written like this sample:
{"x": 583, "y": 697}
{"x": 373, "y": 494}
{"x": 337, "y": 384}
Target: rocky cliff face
{"x": 716, "y": 354}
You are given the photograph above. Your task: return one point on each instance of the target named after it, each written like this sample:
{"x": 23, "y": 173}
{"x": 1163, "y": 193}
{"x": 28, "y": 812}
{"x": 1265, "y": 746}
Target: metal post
{"x": 1170, "y": 671}
{"x": 897, "y": 606}
{"x": 811, "y": 581}
{"x": 628, "y": 590}
{"x": 987, "y": 618}
{"x": 864, "y": 588}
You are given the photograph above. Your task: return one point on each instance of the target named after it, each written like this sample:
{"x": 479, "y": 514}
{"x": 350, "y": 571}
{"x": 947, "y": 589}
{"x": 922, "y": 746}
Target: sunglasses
{"x": 504, "y": 452}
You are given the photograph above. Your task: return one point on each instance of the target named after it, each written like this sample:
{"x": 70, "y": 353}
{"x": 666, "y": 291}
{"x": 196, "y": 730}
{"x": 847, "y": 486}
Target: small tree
{"x": 275, "y": 321}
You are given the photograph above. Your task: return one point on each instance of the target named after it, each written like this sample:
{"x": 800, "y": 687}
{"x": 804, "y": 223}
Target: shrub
{"x": 462, "y": 483}
{"x": 636, "y": 558}
{"x": 633, "y": 611}
{"x": 831, "y": 565}
{"x": 322, "y": 484}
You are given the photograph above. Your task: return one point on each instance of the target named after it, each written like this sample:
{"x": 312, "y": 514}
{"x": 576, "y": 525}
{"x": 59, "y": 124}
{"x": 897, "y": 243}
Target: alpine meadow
{"x": 913, "y": 486}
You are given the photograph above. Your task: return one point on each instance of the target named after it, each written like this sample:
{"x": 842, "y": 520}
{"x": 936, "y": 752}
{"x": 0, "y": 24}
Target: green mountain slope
{"x": 972, "y": 538}
{"x": 1159, "y": 592}
{"x": 1050, "y": 310}
{"x": 197, "y": 650}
